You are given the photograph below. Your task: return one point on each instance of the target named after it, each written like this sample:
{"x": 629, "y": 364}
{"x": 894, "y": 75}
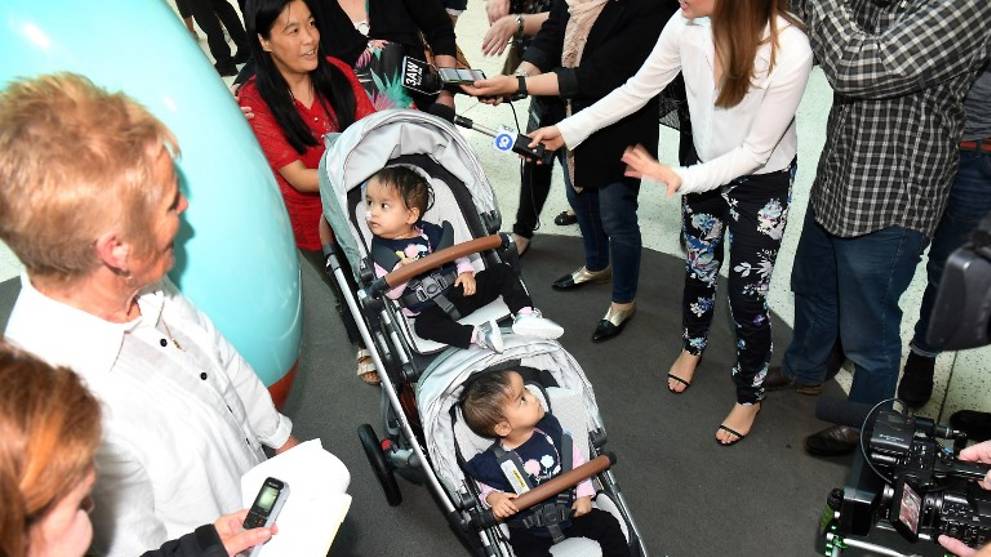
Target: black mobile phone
{"x": 268, "y": 503}
{"x": 459, "y": 76}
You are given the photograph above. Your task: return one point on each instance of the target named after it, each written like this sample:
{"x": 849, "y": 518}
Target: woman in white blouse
{"x": 746, "y": 64}
{"x": 90, "y": 203}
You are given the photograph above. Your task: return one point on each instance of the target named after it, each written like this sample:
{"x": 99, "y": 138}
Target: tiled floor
{"x": 965, "y": 372}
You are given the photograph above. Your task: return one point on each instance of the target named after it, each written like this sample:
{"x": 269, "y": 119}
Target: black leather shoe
{"x": 836, "y": 440}
{"x": 917, "y": 383}
{"x": 776, "y": 380}
{"x": 581, "y": 277}
{"x": 566, "y": 218}
{"x": 613, "y": 323}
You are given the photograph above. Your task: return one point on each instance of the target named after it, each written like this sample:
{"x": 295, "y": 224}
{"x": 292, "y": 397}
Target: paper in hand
{"x": 318, "y": 501}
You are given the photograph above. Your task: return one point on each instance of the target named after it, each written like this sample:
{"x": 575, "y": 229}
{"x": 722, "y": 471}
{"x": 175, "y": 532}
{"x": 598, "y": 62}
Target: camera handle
{"x": 968, "y": 470}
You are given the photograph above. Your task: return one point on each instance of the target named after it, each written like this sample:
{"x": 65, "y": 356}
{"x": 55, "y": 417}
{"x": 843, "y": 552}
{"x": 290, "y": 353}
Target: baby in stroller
{"x": 396, "y": 198}
{"x": 531, "y": 448}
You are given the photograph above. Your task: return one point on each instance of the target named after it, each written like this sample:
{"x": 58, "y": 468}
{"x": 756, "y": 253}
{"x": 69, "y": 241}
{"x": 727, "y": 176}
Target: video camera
{"x": 907, "y": 481}
{"x": 905, "y": 484}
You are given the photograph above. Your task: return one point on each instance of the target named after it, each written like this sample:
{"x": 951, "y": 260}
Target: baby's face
{"x": 387, "y": 214}
{"x": 521, "y": 409}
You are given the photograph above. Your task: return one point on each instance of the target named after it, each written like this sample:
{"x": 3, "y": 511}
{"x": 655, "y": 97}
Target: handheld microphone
{"x": 521, "y": 145}
{"x": 842, "y": 412}
{"x": 420, "y": 76}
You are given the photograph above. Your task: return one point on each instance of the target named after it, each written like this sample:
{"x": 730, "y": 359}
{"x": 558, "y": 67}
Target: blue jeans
{"x": 970, "y": 200}
{"x": 607, "y": 217}
{"x": 849, "y": 288}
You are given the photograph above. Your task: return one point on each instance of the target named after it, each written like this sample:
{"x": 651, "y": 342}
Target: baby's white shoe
{"x": 533, "y": 324}
{"x": 489, "y": 336}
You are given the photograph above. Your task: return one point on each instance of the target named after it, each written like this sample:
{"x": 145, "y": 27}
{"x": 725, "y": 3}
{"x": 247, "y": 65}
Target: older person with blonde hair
{"x": 90, "y": 203}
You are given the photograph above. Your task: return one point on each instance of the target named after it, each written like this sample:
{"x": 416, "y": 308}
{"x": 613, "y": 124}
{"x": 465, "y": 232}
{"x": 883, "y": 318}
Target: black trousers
{"x": 597, "y": 525}
{"x": 209, "y": 15}
{"x": 434, "y": 324}
{"x": 535, "y": 184}
{"x": 316, "y": 260}
{"x": 752, "y": 212}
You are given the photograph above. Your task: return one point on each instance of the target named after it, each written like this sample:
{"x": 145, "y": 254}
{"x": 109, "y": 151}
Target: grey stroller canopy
{"x": 400, "y": 137}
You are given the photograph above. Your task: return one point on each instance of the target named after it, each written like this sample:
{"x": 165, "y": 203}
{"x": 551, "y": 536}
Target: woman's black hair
{"x": 333, "y": 90}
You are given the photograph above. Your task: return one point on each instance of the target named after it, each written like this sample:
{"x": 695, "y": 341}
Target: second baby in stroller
{"x": 530, "y": 448}
{"x": 396, "y": 198}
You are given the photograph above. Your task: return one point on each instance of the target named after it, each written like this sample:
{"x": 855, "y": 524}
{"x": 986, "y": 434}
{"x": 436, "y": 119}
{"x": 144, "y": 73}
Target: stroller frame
{"x": 400, "y": 366}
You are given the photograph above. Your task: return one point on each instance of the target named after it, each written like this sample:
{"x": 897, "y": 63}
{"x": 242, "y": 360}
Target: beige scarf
{"x": 582, "y": 16}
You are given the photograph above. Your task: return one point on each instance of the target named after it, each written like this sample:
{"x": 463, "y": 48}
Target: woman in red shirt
{"x": 298, "y": 96}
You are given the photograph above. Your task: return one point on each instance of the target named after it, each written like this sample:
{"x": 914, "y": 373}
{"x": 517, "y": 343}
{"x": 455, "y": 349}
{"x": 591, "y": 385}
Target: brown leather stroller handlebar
{"x": 408, "y": 272}
{"x": 564, "y": 482}
{"x": 551, "y": 488}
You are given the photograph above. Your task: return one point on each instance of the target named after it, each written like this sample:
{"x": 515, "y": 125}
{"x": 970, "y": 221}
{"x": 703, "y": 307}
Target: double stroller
{"x": 425, "y": 439}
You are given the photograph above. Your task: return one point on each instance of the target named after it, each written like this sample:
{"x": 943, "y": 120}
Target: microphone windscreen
{"x": 442, "y": 111}
{"x": 842, "y": 412}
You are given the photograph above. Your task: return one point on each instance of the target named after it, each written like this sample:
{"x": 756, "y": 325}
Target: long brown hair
{"x": 738, "y": 31}
{"x": 49, "y": 430}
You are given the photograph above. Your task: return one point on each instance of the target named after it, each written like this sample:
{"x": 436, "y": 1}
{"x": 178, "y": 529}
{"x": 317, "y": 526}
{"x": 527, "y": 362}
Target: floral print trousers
{"x": 751, "y": 212}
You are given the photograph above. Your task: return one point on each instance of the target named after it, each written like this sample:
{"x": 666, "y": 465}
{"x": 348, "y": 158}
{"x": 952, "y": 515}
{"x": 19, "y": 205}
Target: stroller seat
{"x": 494, "y": 310}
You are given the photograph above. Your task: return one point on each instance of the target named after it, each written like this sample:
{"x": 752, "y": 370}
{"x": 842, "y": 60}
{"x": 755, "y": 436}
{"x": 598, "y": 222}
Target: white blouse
{"x": 184, "y": 414}
{"x": 757, "y": 136}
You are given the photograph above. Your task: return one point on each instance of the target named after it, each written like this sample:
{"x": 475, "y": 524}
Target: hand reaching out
{"x": 549, "y": 136}
{"x": 981, "y": 452}
{"x": 493, "y": 89}
{"x": 497, "y": 38}
{"x": 640, "y": 163}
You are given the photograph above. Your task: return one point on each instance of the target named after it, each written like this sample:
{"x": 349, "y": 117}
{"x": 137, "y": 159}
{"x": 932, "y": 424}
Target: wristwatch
{"x": 519, "y": 26}
{"x": 521, "y": 92}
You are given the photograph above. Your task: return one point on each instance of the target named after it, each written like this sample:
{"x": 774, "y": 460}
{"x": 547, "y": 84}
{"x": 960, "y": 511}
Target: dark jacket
{"x": 617, "y": 45}
{"x": 399, "y": 21}
{"x": 203, "y": 542}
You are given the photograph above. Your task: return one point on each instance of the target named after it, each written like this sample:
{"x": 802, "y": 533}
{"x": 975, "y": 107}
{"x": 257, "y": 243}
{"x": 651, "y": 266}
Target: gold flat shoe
{"x": 581, "y": 277}
{"x": 613, "y": 323}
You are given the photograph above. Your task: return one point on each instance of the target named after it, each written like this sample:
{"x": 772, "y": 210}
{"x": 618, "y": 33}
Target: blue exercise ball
{"x": 235, "y": 254}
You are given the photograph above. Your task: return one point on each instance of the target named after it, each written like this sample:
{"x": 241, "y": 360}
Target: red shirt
{"x": 304, "y": 207}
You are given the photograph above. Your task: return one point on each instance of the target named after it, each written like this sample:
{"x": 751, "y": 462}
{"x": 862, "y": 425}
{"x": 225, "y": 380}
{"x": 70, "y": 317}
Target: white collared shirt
{"x": 184, "y": 415}
{"x": 757, "y": 136}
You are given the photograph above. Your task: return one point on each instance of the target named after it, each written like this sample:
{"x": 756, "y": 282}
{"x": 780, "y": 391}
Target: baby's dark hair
{"x": 413, "y": 189}
{"x": 482, "y": 401}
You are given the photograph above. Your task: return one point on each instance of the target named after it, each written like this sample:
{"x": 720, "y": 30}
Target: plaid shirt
{"x": 900, "y": 70}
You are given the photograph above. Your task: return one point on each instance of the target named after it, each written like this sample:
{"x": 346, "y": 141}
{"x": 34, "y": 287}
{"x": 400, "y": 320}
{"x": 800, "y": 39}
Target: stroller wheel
{"x": 376, "y": 458}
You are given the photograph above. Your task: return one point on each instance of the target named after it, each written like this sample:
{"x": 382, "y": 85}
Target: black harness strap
{"x": 429, "y": 287}
{"x": 548, "y": 515}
